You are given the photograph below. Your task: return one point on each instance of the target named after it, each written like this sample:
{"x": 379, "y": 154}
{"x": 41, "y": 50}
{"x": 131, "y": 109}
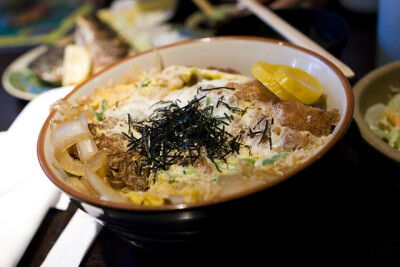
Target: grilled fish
{"x": 103, "y": 43}
{"x": 49, "y": 65}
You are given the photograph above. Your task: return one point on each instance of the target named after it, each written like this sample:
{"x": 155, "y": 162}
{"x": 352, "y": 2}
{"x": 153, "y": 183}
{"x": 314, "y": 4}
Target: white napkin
{"x": 25, "y": 193}
{"x": 18, "y": 151}
{"x": 67, "y": 251}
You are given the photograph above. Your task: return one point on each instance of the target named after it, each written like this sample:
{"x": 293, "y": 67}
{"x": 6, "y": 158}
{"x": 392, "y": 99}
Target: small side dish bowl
{"x": 378, "y": 86}
{"x": 172, "y": 227}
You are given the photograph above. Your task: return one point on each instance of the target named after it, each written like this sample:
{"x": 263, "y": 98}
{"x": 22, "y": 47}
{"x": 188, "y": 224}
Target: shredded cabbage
{"x": 384, "y": 120}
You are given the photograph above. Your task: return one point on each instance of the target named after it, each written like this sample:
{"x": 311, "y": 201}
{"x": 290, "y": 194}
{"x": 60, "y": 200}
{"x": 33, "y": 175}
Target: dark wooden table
{"x": 358, "y": 193}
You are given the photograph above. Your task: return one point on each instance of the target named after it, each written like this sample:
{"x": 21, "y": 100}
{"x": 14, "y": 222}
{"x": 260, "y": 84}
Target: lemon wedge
{"x": 77, "y": 65}
{"x": 295, "y": 82}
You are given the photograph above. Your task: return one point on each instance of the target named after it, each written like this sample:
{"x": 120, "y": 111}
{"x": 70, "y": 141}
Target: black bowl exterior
{"x": 286, "y": 211}
{"x": 177, "y": 231}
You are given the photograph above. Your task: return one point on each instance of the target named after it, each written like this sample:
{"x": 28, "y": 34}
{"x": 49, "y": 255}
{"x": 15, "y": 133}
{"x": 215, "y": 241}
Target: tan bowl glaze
{"x": 374, "y": 88}
{"x": 159, "y": 227}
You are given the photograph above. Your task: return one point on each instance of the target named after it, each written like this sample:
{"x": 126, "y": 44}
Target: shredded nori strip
{"x": 234, "y": 109}
{"x": 176, "y": 134}
{"x": 214, "y": 88}
{"x": 265, "y": 132}
{"x": 259, "y": 121}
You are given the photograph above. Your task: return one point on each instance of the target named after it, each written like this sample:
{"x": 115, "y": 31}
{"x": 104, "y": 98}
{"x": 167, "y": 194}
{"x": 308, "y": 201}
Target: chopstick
{"x": 292, "y": 34}
{"x": 209, "y": 10}
{"x": 205, "y": 6}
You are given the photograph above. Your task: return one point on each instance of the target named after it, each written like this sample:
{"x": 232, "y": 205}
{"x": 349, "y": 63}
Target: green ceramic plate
{"x": 19, "y": 81}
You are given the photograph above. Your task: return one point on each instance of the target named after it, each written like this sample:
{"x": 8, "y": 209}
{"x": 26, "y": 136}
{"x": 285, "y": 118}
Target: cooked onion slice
{"x": 101, "y": 186}
{"x": 86, "y": 149}
{"x": 65, "y": 108}
{"x": 66, "y": 134}
{"x": 82, "y": 185}
{"x": 84, "y": 117}
{"x": 76, "y": 166}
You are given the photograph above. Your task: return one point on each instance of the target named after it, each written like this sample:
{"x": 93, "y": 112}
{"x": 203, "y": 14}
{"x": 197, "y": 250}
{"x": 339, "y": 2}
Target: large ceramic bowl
{"x": 173, "y": 227}
{"x": 376, "y": 87}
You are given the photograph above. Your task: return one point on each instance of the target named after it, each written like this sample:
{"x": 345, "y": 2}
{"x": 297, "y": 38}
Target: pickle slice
{"x": 288, "y": 83}
{"x": 264, "y": 73}
{"x": 299, "y": 83}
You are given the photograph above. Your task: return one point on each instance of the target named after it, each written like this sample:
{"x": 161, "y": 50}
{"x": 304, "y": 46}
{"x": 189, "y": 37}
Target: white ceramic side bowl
{"x": 184, "y": 221}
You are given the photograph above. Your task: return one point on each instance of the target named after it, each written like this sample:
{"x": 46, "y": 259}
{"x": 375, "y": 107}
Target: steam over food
{"x": 183, "y": 135}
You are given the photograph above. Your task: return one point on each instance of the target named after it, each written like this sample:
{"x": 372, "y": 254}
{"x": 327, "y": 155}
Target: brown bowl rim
{"x": 171, "y": 207}
{"x": 367, "y": 134}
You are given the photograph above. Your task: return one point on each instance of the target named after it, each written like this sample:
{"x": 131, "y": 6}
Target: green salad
{"x": 384, "y": 120}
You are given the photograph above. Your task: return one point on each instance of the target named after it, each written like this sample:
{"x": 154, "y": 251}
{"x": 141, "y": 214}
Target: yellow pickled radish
{"x": 264, "y": 72}
{"x": 293, "y": 81}
{"x": 299, "y": 83}
{"x": 77, "y": 65}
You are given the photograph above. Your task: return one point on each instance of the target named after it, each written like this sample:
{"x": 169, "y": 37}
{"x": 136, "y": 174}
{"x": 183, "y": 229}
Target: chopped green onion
{"x": 100, "y": 115}
{"x": 250, "y": 160}
{"x": 275, "y": 158}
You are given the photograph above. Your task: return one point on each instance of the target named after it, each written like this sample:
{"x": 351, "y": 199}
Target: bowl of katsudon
{"x": 171, "y": 145}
